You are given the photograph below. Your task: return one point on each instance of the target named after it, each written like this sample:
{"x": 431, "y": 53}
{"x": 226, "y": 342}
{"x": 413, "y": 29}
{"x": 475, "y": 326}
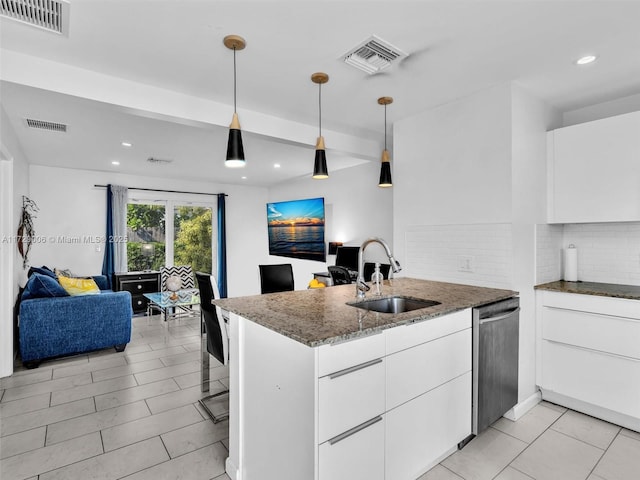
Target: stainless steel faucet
{"x": 361, "y": 285}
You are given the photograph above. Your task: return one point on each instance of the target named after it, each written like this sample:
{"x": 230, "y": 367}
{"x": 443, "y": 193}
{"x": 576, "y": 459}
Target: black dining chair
{"x": 339, "y": 275}
{"x": 214, "y": 342}
{"x": 276, "y": 278}
{"x": 370, "y": 267}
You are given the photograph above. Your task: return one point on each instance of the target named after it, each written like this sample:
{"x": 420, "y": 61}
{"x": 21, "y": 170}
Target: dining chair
{"x": 339, "y": 275}
{"x": 214, "y": 342}
{"x": 276, "y": 278}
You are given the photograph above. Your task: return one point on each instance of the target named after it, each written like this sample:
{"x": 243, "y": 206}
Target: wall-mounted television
{"x": 296, "y": 229}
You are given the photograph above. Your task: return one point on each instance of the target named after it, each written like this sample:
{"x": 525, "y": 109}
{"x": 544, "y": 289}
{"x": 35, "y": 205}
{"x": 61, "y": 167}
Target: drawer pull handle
{"x": 355, "y": 368}
{"x": 500, "y": 317}
{"x": 139, "y": 287}
{"x": 354, "y": 430}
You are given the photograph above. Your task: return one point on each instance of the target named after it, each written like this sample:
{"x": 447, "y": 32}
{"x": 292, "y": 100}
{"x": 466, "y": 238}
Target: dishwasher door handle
{"x": 499, "y": 317}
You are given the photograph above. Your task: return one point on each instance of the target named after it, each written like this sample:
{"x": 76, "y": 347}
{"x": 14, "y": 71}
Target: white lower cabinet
{"x": 600, "y": 379}
{"x": 357, "y": 454}
{"x": 422, "y": 431}
{"x": 385, "y": 406}
{"x": 394, "y": 417}
{"x": 589, "y": 355}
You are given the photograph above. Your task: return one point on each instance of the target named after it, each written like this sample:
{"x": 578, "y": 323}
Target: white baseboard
{"x": 617, "y": 418}
{"x": 523, "y": 407}
{"x": 231, "y": 469}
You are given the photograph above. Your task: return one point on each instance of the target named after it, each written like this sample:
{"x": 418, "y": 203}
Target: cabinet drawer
{"x": 593, "y": 377}
{"x": 139, "y": 286}
{"x": 407, "y": 336}
{"x": 358, "y": 456}
{"x": 139, "y": 302}
{"x": 417, "y": 370}
{"x": 421, "y": 431}
{"x": 617, "y": 307}
{"x": 350, "y": 397}
{"x": 617, "y": 335}
{"x": 335, "y": 357}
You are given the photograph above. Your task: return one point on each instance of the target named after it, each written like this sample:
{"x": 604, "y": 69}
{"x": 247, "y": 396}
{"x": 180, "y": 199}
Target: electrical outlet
{"x": 465, "y": 263}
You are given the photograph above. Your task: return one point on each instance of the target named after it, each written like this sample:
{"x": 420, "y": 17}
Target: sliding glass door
{"x": 167, "y": 232}
{"x": 146, "y": 236}
{"x": 192, "y": 237}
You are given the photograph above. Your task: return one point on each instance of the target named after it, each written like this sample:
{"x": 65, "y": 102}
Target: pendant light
{"x": 235, "y": 150}
{"x": 385, "y": 167}
{"x": 320, "y": 165}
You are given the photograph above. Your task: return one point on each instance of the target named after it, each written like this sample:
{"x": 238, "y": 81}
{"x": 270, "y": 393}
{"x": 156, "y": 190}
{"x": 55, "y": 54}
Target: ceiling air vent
{"x": 50, "y": 15}
{"x": 42, "y": 125}
{"x": 158, "y": 161}
{"x": 373, "y": 55}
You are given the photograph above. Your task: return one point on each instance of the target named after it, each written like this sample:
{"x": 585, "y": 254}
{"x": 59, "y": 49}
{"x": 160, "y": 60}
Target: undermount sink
{"x": 396, "y": 304}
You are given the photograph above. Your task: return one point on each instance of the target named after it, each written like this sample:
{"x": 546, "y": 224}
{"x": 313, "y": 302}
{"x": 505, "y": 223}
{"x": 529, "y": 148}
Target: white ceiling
{"x": 456, "y": 48}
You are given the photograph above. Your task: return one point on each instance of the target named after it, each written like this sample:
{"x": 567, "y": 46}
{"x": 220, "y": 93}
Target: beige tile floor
{"x": 109, "y": 415}
{"x": 136, "y": 415}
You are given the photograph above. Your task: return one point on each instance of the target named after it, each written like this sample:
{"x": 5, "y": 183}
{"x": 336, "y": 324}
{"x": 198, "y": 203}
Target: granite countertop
{"x": 593, "y": 288}
{"x": 321, "y": 316}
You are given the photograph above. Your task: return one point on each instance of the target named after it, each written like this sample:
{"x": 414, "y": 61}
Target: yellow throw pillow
{"x": 79, "y": 286}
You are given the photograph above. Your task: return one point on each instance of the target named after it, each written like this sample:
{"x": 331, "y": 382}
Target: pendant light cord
{"x": 385, "y": 126}
{"x": 234, "y": 80}
{"x": 320, "y": 108}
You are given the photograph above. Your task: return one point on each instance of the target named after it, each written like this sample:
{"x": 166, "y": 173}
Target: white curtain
{"x": 120, "y": 196}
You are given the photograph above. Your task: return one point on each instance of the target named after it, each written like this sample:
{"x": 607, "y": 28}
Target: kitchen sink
{"x": 396, "y": 304}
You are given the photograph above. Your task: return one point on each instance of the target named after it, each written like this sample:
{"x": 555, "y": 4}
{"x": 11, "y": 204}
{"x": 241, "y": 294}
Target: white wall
{"x": 14, "y": 185}
{"x": 70, "y": 206}
{"x": 355, "y": 209}
{"x": 452, "y": 163}
{"x": 471, "y": 182}
{"x": 531, "y": 119}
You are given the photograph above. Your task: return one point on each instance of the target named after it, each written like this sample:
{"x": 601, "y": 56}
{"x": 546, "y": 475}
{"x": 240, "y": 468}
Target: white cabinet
{"x": 384, "y": 406}
{"x": 589, "y": 355}
{"x": 358, "y": 454}
{"x": 423, "y": 431}
{"x": 593, "y": 173}
{"x": 428, "y": 393}
{"x": 350, "y": 397}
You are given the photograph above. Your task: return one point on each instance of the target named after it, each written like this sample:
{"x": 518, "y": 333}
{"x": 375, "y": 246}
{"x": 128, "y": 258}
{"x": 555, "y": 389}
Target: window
{"x": 170, "y": 232}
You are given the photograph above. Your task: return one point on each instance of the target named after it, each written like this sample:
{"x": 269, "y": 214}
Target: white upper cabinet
{"x": 594, "y": 171}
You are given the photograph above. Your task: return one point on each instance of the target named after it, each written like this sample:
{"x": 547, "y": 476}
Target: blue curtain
{"x": 108, "y": 262}
{"x": 222, "y": 247}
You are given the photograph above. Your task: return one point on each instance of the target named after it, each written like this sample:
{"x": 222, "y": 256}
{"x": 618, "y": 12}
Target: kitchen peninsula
{"x": 320, "y": 389}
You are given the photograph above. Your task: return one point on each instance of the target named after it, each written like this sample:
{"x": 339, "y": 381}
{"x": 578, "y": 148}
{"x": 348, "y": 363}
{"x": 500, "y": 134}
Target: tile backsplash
{"x": 476, "y": 254}
{"x": 607, "y": 252}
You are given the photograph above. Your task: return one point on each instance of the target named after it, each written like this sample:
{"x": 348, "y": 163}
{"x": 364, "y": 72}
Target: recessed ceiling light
{"x": 276, "y": 165}
{"x": 586, "y": 59}
{"x": 115, "y": 162}
{"x": 244, "y": 178}
{"x": 126, "y": 144}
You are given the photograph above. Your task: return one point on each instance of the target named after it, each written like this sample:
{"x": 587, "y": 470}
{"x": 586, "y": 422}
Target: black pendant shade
{"x": 235, "y": 150}
{"x": 320, "y": 165}
{"x": 385, "y": 174}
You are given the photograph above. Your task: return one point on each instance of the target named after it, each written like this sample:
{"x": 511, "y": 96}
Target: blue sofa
{"x": 63, "y": 325}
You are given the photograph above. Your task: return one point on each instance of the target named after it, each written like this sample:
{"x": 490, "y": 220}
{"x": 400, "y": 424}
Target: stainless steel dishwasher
{"x": 495, "y": 361}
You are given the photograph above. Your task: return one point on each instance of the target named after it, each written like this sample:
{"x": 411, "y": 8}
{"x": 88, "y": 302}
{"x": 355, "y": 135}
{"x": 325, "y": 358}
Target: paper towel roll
{"x": 571, "y": 264}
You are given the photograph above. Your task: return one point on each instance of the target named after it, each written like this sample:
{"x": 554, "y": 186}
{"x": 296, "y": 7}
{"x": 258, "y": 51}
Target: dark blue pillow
{"x": 43, "y": 271}
{"x": 39, "y": 286}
